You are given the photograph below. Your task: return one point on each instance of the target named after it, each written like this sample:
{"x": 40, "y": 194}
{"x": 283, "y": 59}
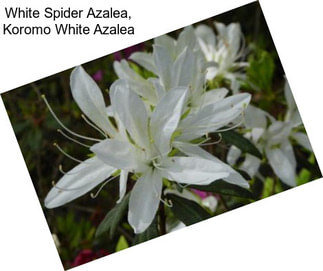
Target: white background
{"x": 284, "y": 232}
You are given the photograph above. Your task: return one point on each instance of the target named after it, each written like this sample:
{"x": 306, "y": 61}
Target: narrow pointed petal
{"x": 195, "y": 151}
{"x": 214, "y": 116}
{"x": 292, "y": 114}
{"x": 302, "y": 139}
{"x": 193, "y": 170}
{"x": 184, "y": 69}
{"x": 168, "y": 43}
{"x": 205, "y": 35}
{"x": 78, "y": 181}
{"x": 122, "y": 184}
{"x": 144, "y": 200}
{"x": 289, "y": 97}
{"x": 131, "y": 111}
{"x": 89, "y": 98}
{"x": 288, "y": 150}
{"x": 163, "y": 62}
{"x": 233, "y": 155}
{"x": 213, "y": 96}
{"x": 255, "y": 117}
{"x": 166, "y": 116}
{"x": 251, "y": 165}
{"x": 278, "y": 131}
{"x": 124, "y": 71}
{"x": 281, "y": 165}
{"x": 145, "y": 60}
{"x": 118, "y": 154}
{"x": 186, "y": 39}
{"x": 134, "y": 81}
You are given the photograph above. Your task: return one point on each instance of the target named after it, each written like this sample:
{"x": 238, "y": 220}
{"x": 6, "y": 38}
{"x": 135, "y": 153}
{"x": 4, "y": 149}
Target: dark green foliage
{"x": 187, "y": 211}
{"x": 113, "y": 218}
{"x": 150, "y": 233}
{"x": 244, "y": 144}
{"x": 224, "y": 188}
{"x": 261, "y": 70}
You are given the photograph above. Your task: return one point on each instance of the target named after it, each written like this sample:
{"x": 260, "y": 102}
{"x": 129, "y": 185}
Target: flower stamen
{"x": 93, "y": 126}
{"x": 62, "y": 125}
{"x": 66, "y": 154}
{"x": 93, "y": 196}
{"x": 72, "y": 139}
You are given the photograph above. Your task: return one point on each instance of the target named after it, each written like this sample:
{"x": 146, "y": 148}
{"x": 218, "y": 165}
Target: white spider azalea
{"x": 91, "y": 172}
{"x": 210, "y": 119}
{"x": 176, "y": 63}
{"x": 145, "y": 152}
{"x": 292, "y": 116}
{"x": 225, "y": 50}
{"x": 274, "y": 141}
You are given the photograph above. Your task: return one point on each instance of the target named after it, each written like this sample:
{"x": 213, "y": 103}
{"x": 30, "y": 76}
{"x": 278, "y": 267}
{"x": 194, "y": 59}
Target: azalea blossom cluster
{"x": 155, "y": 128}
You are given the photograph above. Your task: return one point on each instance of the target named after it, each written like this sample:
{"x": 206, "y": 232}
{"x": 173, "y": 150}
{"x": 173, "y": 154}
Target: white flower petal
{"x": 184, "y": 69}
{"x": 288, "y": 150}
{"x": 122, "y": 184}
{"x": 89, "y": 98}
{"x": 205, "y": 35}
{"x": 144, "y": 200}
{"x": 233, "y": 155}
{"x": 186, "y": 39}
{"x": 234, "y": 37}
{"x": 118, "y": 154}
{"x": 214, "y": 116}
{"x": 124, "y": 71}
{"x": 193, "y": 170}
{"x": 145, "y": 60}
{"x": 281, "y": 165}
{"x": 160, "y": 91}
{"x": 251, "y": 164}
{"x": 292, "y": 114}
{"x": 78, "y": 181}
{"x": 192, "y": 150}
{"x": 168, "y": 43}
{"x": 255, "y": 117}
{"x": 302, "y": 139}
{"x": 210, "y": 202}
{"x": 166, "y": 116}
{"x": 289, "y": 97}
{"x": 134, "y": 81}
{"x": 163, "y": 62}
{"x": 131, "y": 111}
{"x": 278, "y": 132}
{"x": 213, "y": 95}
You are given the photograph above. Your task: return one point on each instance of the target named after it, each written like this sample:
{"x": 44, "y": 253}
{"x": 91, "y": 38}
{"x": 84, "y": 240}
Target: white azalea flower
{"x": 224, "y": 49}
{"x": 176, "y": 63}
{"x": 91, "y": 172}
{"x": 145, "y": 152}
{"x": 293, "y": 117}
{"x": 140, "y": 145}
{"x": 274, "y": 141}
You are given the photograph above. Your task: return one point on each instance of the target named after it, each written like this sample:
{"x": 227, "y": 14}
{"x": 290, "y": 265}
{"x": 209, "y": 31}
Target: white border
{"x": 283, "y": 232}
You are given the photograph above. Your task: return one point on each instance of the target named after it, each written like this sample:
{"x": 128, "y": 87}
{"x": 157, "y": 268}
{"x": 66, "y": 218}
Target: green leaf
{"x": 268, "y": 187}
{"x": 303, "y": 177}
{"x": 261, "y": 70}
{"x": 225, "y": 188}
{"x": 150, "y": 233}
{"x": 113, "y": 218}
{"x": 122, "y": 243}
{"x": 244, "y": 144}
{"x": 187, "y": 211}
